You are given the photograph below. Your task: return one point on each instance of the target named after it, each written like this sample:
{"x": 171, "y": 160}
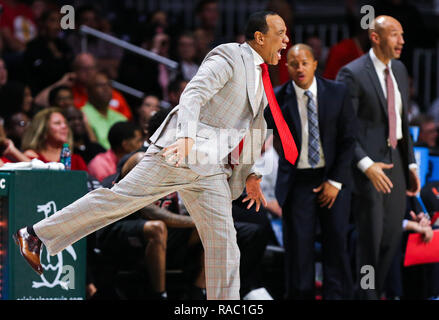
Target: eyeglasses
{"x": 22, "y": 123}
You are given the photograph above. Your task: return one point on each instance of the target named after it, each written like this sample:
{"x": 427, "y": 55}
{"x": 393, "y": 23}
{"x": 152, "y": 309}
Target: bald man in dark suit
{"x": 384, "y": 167}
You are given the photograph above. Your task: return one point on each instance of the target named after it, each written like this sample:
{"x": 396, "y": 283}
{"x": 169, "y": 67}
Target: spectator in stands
{"x": 176, "y": 88}
{"x": 107, "y": 55}
{"x": 16, "y": 96}
{"x": 158, "y": 21}
{"x": 3, "y": 81}
{"x": 202, "y": 44}
{"x": 40, "y": 6}
{"x": 1, "y": 46}
{"x": 43, "y": 97}
{"x": 9, "y": 153}
{"x": 434, "y": 109}
{"x": 97, "y": 110}
{"x": 208, "y": 15}
{"x": 85, "y": 69}
{"x": 319, "y": 50}
{"x": 45, "y": 136}
{"x": 61, "y": 97}
{"x": 413, "y": 108}
{"x": 47, "y": 57}
{"x": 133, "y": 68}
{"x": 15, "y": 125}
{"x": 82, "y": 143}
{"x": 16, "y": 104}
{"x": 17, "y": 25}
{"x": 186, "y": 55}
{"x": 150, "y": 105}
{"x": 414, "y": 282}
{"x": 161, "y": 45}
{"x": 124, "y": 138}
{"x": 428, "y": 131}
{"x": 154, "y": 123}
{"x": 3, "y": 73}
{"x": 346, "y": 51}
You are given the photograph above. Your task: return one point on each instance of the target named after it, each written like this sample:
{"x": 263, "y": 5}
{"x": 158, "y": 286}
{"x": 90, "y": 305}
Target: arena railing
{"x": 171, "y": 64}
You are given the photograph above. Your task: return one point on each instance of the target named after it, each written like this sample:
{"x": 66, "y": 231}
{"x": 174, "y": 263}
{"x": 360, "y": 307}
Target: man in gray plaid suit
{"x": 220, "y": 116}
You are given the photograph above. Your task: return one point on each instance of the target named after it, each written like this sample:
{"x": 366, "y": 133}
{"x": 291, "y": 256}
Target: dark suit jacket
{"x": 371, "y": 111}
{"x": 336, "y": 126}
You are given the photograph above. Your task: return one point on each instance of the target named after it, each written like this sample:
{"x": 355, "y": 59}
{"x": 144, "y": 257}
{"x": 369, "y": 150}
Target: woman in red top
{"x": 45, "y": 136}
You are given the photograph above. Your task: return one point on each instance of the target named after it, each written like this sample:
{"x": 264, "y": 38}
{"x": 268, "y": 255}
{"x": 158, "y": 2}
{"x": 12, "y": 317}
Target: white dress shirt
{"x": 259, "y": 87}
{"x": 380, "y": 68}
{"x": 302, "y": 102}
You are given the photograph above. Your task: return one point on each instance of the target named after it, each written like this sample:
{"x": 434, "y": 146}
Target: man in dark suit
{"x": 379, "y": 89}
{"x": 321, "y": 120}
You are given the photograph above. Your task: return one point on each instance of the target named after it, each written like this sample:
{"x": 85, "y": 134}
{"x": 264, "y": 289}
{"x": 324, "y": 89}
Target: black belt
{"x": 309, "y": 173}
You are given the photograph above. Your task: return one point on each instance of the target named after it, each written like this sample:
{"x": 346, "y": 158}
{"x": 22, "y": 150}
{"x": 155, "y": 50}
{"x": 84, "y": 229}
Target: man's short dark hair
{"x": 257, "y": 22}
{"x": 54, "y": 93}
{"x": 85, "y": 8}
{"x": 203, "y": 3}
{"x": 121, "y": 131}
{"x": 422, "y": 119}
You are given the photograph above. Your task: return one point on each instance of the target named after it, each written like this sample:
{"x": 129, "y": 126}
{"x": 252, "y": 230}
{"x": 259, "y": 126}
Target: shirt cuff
{"x": 365, "y": 163}
{"x": 413, "y": 166}
{"x": 336, "y": 184}
{"x": 404, "y": 223}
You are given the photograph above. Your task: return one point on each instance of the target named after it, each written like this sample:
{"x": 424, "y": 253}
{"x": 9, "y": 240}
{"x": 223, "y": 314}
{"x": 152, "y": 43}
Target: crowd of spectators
{"x": 51, "y": 93}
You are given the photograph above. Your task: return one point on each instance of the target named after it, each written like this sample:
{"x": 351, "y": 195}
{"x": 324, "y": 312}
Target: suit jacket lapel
{"x": 247, "y": 57}
{"x": 376, "y": 83}
{"x": 405, "y": 102}
{"x": 321, "y": 105}
{"x": 398, "y": 78}
{"x": 290, "y": 109}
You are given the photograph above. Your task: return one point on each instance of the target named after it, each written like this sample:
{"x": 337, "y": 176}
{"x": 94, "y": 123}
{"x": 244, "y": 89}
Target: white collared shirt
{"x": 380, "y": 67}
{"x": 302, "y": 102}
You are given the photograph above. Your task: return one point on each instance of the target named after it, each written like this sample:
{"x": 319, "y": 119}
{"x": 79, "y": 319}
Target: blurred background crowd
{"x": 59, "y": 86}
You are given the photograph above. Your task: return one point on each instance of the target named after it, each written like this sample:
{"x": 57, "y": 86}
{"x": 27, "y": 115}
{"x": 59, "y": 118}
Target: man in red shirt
{"x": 17, "y": 24}
{"x": 124, "y": 137}
{"x": 344, "y": 52}
{"x": 84, "y": 67}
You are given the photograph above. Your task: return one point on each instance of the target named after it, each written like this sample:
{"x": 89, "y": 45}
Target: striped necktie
{"x": 313, "y": 131}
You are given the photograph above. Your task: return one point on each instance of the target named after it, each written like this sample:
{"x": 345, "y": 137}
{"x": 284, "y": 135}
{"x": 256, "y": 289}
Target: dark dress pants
{"x": 378, "y": 220}
{"x": 300, "y": 213}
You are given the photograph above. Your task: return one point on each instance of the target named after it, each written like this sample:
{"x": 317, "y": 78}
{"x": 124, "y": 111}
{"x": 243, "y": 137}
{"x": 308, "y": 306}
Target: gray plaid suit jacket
{"x": 217, "y": 110}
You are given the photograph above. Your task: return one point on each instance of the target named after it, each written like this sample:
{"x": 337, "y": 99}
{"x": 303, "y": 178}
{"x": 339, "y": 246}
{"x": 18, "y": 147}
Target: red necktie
{"x": 288, "y": 144}
{"x": 391, "y": 108}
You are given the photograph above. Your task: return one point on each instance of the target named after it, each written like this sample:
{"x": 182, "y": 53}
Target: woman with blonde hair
{"x": 45, "y": 136}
